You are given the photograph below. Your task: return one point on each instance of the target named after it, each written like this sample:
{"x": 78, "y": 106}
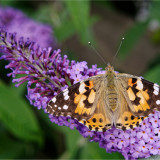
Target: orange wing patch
{"x": 131, "y": 82}
{"x": 143, "y": 101}
{"x": 90, "y": 84}
{"x": 100, "y": 121}
{"x": 80, "y": 103}
{"x": 85, "y": 99}
{"x": 91, "y": 97}
{"x": 97, "y": 123}
{"x": 131, "y": 94}
{"x": 138, "y": 96}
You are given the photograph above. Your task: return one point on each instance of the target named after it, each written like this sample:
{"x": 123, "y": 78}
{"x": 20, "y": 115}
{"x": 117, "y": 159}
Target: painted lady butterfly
{"x": 112, "y": 99}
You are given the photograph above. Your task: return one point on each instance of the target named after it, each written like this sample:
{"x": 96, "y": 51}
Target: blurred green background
{"x": 26, "y": 132}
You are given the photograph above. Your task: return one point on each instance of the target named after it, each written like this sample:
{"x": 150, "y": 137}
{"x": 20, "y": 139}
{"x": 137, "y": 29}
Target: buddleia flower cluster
{"x": 47, "y": 73}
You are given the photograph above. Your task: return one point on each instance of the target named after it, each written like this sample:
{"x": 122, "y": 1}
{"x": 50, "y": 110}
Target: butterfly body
{"x": 111, "y": 99}
{"x": 111, "y": 88}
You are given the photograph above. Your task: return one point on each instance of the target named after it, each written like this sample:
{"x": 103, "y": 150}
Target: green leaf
{"x": 64, "y": 31}
{"x": 72, "y": 137}
{"x": 79, "y": 12}
{"x": 131, "y": 38}
{"x": 93, "y": 151}
{"x": 80, "y": 16}
{"x": 17, "y": 116}
{"x": 9, "y": 148}
{"x": 153, "y": 74}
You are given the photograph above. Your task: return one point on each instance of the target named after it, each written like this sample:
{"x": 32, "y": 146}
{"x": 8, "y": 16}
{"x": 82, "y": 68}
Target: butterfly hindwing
{"x": 102, "y": 117}
{"x": 124, "y": 118}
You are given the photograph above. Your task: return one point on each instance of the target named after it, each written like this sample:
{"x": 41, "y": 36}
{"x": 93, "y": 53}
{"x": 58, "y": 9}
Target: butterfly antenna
{"x": 102, "y": 58}
{"x": 117, "y": 50}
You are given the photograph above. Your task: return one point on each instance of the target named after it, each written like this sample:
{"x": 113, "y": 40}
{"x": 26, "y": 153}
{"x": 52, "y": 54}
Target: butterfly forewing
{"x": 142, "y": 96}
{"x": 78, "y": 101}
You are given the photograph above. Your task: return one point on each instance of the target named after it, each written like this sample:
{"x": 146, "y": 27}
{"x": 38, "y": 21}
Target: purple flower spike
{"x": 16, "y": 21}
{"x": 47, "y": 73}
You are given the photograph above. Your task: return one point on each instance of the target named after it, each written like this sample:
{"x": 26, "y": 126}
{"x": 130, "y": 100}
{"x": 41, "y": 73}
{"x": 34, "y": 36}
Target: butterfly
{"x": 111, "y": 99}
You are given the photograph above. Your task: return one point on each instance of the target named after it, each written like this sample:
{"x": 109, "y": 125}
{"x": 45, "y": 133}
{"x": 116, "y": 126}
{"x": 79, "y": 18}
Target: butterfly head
{"x": 109, "y": 68}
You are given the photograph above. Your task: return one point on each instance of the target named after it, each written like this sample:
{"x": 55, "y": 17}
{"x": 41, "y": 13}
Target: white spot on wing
{"x": 82, "y": 88}
{"x": 65, "y": 94}
{"x": 54, "y": 99}
{"x": 158, "y": 102}
{"x": 139, "y": 85}
{"x": 65, "y": 107}
{"x": 66, "y": 97}
{"x": 55, "y": 105}
{"x": 59, "y": 108}
{"x": 49, "y": 106}
{"x": 156, "y": 89}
